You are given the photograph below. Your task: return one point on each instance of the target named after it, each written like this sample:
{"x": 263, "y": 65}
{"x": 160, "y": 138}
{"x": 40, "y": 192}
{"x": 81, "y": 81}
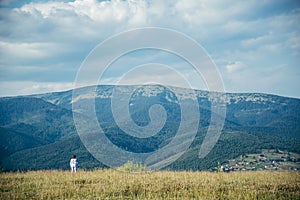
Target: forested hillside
{"x": 38, "y": 131}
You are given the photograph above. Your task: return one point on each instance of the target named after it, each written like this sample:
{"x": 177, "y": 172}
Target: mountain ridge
{"x": 48, "y": 119}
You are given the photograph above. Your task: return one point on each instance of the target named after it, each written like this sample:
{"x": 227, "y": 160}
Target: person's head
{"x": 74, "y": 156}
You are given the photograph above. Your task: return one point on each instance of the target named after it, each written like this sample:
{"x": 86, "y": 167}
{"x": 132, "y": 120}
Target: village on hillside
{"x": 268, "y": 159}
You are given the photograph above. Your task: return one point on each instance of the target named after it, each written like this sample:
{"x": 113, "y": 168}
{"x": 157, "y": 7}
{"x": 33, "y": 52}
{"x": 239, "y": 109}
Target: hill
{"x": 38, "y": 131}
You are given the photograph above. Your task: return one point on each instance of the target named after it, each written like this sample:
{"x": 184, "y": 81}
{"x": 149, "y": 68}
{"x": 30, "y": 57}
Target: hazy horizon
{"x": 65, "y": 90}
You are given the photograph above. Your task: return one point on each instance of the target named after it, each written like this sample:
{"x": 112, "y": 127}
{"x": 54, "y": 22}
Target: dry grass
{"x": 112, "y": 184}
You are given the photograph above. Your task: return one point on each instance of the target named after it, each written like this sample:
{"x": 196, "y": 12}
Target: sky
{"x": 254, "y": 44}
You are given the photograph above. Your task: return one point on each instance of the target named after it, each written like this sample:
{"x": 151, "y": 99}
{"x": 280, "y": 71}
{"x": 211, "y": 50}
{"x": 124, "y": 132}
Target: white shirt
{"x": 73, "y": 162}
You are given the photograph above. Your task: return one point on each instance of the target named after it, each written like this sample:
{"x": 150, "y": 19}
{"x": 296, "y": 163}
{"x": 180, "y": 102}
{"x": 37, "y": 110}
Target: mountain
{"x": 38, "y": 131}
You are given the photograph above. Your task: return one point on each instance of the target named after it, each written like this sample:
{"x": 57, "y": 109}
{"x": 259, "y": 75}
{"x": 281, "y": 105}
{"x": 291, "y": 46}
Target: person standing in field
{"x": 73, "y": 164}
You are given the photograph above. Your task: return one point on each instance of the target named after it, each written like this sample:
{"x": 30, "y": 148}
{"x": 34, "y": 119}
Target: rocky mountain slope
{"x": 38, "y": 131}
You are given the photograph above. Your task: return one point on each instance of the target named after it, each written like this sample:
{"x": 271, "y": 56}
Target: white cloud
{"x": 59, "y": 35}
{"x": 253, "y": 42}
{"x": 12, "y": 88}
{"x": 131, "y": 12}
{"x": 26, "y": 50}
{"x": 235, "y": 66}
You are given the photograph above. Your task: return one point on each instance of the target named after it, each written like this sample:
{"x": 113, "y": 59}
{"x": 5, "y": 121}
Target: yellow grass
{"x": 112, "y": 184}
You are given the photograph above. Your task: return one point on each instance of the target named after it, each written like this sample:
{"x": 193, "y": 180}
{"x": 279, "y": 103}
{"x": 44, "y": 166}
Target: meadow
{"x": 114, "y": 184}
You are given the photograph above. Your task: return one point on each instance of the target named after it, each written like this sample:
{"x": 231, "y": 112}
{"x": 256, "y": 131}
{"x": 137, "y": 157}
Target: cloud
{"x": 12, "y": 88}
{"x": 233, "y": 67}
{"x": 29, "y": 51}
{"x": 47, "y": 41}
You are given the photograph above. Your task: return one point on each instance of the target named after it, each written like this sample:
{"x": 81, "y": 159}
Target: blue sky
{"x": 255, "y": 44}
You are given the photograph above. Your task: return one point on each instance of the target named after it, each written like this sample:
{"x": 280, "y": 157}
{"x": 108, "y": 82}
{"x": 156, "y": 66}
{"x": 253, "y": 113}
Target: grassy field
{"x": 113, "y": 184}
